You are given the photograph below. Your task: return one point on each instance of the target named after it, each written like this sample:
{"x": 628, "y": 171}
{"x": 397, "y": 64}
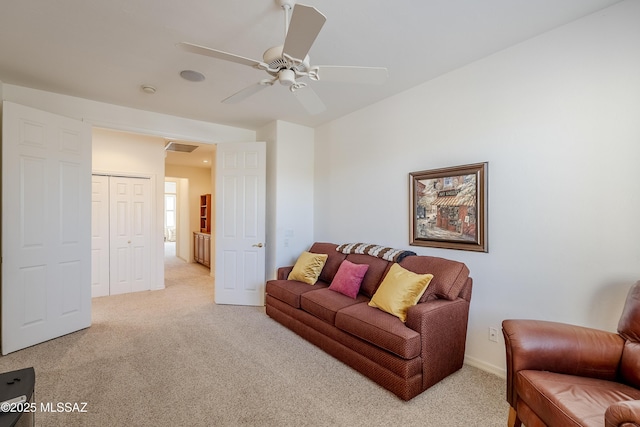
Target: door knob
{"x": 257, "y": 245}
{"x": 129, "y": 241}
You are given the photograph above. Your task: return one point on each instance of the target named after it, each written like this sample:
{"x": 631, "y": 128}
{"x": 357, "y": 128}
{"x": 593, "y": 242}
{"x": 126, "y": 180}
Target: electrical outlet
{"x": 493, "y": 334}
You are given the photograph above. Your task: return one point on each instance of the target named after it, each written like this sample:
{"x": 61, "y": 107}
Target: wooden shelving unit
{"x": 202, "y": 240}
{"x": 205, "y": 213}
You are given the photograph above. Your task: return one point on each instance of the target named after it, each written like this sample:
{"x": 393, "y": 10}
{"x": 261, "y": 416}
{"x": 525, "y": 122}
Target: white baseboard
{"x": 492, "y": 369}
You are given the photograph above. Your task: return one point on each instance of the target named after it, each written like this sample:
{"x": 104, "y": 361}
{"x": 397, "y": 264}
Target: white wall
{"x": 557, "y": 118}
{"x": 269, "y": 134}
{"x": 184, "y": 237}
{"x": 185, "y": 244}
{"x": 289, "y": 192}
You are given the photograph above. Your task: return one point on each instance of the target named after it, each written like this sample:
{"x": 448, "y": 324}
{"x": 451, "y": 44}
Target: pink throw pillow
{"x": 348, "y": 279}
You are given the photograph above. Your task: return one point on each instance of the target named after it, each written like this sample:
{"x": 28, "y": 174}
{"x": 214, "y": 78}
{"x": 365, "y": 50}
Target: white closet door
{"x": 130, "y": 230}
{"x": 46, "y": 229}
{"x": 99, "y": 236}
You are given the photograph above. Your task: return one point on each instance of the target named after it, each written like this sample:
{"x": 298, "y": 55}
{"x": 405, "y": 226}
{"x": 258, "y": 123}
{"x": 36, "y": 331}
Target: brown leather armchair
{"x": 567, "y": 375}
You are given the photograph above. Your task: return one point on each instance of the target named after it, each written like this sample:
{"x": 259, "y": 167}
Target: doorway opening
{"x": 188, "y": 176}
{"x": 122, "y": 153}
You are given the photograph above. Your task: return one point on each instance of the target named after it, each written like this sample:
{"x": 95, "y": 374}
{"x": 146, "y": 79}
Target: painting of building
{"x": 446, "y": 208}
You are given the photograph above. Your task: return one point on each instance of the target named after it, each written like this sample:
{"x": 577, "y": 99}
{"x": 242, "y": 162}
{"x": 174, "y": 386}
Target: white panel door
{"x": 46, "y": 226}
{"x": 130, "y": 229}
{"x": 240, "y": 223}
{"x": 99, "y": 235}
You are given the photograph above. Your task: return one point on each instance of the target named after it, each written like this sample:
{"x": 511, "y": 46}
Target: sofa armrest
{"x": 442, "y": 325}
{"x": 561, "y": 348}
{"x": 283, "y": 272}
{"x": 623, "y": 414}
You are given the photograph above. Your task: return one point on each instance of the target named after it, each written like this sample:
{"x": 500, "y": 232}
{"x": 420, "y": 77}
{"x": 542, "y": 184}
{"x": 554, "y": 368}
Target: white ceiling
{"x": 106, "y": 49}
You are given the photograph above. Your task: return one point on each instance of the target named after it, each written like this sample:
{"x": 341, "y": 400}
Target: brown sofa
{"x": 405, "y": 358}
{"x": 567, "y": 375}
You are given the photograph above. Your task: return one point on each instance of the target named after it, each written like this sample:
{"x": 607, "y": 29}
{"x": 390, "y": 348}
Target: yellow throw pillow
{"x": 308, "y": 267}
{"x": 400, "y": 290}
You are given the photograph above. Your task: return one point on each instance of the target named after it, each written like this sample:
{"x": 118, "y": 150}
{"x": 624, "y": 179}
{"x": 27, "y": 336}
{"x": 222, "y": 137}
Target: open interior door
{"x": 46, "y": 226}
{"x": 240, "y": 223}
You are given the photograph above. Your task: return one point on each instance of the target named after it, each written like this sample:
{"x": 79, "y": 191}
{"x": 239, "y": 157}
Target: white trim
{"x": 487, "y": 367}
{"x": 167, "y": 135}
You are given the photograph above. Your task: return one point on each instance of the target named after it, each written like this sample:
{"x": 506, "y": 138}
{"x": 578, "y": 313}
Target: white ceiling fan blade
{"x": 247, "y": 92}
{"x": 218, "y": 54}
{"x": 363, "y": 75}
{"x": 310, "y": 100}
{"x": 306, "y": 23}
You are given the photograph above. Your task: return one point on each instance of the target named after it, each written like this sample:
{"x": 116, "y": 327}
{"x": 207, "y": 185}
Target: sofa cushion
{"x": 348, "y": 279}
{"x": 449, "y": 277}
{"x": 568, "y": 400}
{"x": 308, "y": 267}
{"x": 379, "y": 328}
{"x": 289, "y": 291}
{"x": 399, "y": 290}
{"x": 378, "y": 267}
{"x": 325, "y": 303}
{"x": 334, "y": 259}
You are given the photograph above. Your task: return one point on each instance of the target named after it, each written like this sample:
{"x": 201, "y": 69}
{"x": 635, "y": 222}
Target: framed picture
{"x": 449, "y": 207}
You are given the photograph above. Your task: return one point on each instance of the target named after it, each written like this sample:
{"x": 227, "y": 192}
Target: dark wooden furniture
{"x": 202, "y": 248}
{"x": 14, "y": 385}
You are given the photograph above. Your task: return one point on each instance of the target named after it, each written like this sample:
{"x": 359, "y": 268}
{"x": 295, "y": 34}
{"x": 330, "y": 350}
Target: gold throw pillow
{"x": 308, "y": 267}
{"x": 399, "y": 290}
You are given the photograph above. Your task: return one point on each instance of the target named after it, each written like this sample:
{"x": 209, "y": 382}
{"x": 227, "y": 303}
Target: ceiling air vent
{"x": 182, "y": 148}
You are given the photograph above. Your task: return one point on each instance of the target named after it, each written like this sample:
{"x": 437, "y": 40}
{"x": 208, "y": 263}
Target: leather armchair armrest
{"x": 559, "y": 347}
{"x": 562, "y": 348}
{"x": 283, "y": 272}
{"x": 623, "y": 414}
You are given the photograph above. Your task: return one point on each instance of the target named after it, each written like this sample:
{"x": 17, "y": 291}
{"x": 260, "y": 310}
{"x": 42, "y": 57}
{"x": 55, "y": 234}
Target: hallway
{"x": 180, "y": 272}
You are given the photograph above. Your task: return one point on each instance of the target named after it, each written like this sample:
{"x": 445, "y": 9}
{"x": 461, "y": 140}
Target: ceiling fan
{"x": 290, "y": 62}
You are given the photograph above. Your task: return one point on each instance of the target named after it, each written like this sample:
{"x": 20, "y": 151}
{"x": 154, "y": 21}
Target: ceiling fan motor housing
{"x": 276, "y": 61}
{"x": 273, "y": 58}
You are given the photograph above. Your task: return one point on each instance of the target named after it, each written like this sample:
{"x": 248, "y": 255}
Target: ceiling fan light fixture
{"x": 192, "y": 76}
{"x": 287, "y": 77}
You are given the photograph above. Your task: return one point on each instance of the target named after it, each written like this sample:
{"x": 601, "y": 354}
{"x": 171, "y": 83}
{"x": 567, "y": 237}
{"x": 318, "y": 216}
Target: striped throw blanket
{"x": 389, "y": 254}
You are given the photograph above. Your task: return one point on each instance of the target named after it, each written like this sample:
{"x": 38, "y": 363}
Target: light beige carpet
{"x": 174, "y": 358}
